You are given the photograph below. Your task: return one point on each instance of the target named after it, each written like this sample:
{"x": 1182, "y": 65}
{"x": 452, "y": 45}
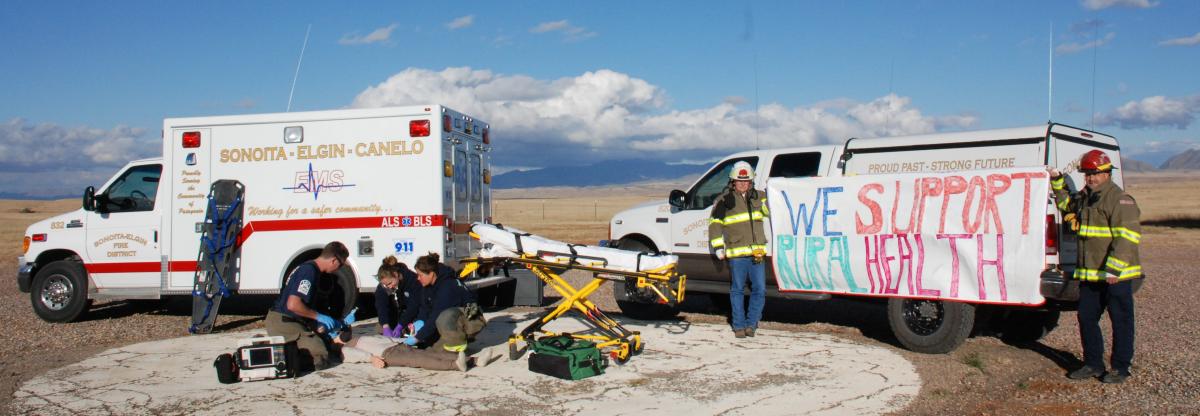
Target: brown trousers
{"x": 309, "y": 343}
{"x": 455, "y": 328}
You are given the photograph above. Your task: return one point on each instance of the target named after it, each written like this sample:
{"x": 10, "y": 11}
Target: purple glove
{"x": 396, "y": 332}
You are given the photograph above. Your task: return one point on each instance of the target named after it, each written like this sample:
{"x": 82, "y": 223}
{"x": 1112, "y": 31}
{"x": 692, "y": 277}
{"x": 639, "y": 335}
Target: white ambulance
{"x": 680, "y": 224}
{"x": 400, "y": 181}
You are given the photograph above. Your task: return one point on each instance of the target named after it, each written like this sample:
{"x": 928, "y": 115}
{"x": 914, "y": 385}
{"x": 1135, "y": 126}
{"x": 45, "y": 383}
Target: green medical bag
{"x": 567, "y": 358}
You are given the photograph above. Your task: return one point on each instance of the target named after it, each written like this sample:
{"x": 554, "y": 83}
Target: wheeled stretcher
{"x": 504, "y": 247}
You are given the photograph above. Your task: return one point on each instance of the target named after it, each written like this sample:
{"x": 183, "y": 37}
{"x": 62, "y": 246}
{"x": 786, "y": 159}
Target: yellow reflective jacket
{"x": 1109, "y": 231}
{"x": 736, "y": 223}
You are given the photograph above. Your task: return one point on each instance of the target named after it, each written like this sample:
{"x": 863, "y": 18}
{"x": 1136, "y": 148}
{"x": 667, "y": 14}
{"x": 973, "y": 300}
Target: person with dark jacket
{"x": 294, "y": 315}
{"x": 397, "y": 292}
{"x": 445, "y": 320}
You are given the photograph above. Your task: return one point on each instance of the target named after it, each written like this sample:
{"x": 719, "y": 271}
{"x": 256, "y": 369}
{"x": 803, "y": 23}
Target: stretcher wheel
{"x": 513, "y": 352}
{"x": 638, "y": 346}
{"x": 619, "y": 358}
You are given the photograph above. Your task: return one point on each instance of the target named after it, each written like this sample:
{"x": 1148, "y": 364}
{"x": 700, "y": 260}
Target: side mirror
{"x": 89, "y": 199}
{"x": 678, "y": 199}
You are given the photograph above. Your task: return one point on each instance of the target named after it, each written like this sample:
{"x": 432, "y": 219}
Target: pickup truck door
{"x": 689, "y": 226}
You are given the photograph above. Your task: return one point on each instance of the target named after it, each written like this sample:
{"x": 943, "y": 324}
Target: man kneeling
{"x": 456, "y": 318}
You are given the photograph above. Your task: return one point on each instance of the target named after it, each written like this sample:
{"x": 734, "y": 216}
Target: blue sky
{"x": 88, "y": 83}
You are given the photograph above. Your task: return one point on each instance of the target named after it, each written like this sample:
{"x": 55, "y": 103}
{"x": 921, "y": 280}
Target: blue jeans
{"x": 742, "y": 269}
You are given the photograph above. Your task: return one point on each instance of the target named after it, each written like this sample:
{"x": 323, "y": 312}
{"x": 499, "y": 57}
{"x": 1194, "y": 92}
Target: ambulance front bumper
{"x": 24, "y": 274}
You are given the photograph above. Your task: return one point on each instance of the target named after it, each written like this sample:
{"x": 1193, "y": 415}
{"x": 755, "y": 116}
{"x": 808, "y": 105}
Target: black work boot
{"x": 1084, "y": 372}
{"x": 1114, "y": 377}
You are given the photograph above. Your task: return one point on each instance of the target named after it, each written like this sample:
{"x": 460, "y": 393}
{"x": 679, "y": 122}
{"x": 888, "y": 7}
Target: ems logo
{"x": 315, "y": 181}
{"x": 305, "y": 285}
{"x": 406, "y": 222}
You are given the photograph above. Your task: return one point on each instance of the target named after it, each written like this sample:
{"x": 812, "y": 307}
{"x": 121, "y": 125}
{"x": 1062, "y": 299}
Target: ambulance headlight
{"x": 293, "y": 134}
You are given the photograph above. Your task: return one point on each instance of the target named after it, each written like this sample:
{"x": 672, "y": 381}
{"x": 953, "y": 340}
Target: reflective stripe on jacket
{"x": 736, "y": 223}
{"x": 1109, "y": 230}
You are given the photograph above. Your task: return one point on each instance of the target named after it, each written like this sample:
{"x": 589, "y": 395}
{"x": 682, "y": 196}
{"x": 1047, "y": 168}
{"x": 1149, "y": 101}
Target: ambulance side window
{"x": 476, "y": 178}
{"x": 134, "y": 191}
{"x": 460, "y": 175}
{"x": 702, "y": 195}
{"x": 796, "y": 165}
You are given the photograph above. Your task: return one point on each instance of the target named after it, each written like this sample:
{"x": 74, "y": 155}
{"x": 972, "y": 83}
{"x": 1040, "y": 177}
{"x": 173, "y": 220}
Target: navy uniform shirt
{"x": 302, "y": 282}
{"x": 447, "y": 292}
{"x": 395, "y": 306}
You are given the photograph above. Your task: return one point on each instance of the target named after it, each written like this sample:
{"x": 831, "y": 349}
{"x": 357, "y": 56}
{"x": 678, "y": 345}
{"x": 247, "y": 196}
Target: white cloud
{"x": 1104, "y": 4}
{"x": 48, "y": 159}
{"x": 246, "y": 103}
{"x": 605, "y": 113}
{"x": 1156, "y": 111}
{"x": 461, "y": 22}
{"x": 1184, "y": 41}
{"x": 382, "y": 34}
{"x": 570, "y": 33}
{"x": 1075, "y": 47}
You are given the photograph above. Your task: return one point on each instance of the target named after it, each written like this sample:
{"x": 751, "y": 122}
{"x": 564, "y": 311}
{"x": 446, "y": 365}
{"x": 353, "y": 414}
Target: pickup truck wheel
{"x": 930, "y": 326}
{"x": 640, "y": 303}
{"x": 1022, "y": 327}
{"x": 59, "y": 292}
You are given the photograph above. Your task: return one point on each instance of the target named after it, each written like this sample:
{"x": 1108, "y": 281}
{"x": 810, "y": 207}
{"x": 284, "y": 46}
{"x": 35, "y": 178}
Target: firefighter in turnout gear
{"x": 1109, "y": 235}
{"x": 737, "y": 233}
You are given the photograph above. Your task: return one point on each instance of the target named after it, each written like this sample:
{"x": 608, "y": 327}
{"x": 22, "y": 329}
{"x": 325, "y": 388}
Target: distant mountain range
{"x": 620, "y": 172}
{"x": 612, "y": 172}
{"x": 1186, "y": 160}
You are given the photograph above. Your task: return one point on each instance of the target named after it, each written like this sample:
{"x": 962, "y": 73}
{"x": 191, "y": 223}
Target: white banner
{"x": 971, "y": 236}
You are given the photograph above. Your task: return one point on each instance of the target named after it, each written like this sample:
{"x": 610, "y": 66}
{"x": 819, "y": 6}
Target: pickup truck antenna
{"x": 297, "y": 74}
{"x": 748, "y": 36}
{"x": 1050, "y": 83}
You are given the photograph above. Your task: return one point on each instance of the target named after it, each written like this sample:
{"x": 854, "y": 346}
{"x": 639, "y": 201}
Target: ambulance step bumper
{"x": 24, "y": 275}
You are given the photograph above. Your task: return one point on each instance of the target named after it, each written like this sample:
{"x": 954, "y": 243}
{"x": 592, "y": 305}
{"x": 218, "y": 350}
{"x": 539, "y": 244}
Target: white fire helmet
{"x": 742, "y": 171}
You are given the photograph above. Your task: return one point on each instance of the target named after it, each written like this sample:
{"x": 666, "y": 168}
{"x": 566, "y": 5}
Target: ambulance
{"x": 401, "y": 181}
{"x": 679, "y": 225}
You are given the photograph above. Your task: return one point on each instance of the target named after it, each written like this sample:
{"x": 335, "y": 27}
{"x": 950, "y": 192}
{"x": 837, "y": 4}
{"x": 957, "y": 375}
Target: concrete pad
{"x": 685, "y": 369}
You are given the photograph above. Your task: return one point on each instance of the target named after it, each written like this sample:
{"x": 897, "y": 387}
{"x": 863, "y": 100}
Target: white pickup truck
{"x": 679, "y": 225}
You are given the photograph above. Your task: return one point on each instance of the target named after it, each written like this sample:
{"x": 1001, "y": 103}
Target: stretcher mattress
{"x": 500, "y": 241}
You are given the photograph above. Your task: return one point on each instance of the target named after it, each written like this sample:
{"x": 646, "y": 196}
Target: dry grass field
{"x": 984, "y": 376}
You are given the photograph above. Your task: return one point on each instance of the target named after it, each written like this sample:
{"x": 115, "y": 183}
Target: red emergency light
{"x": 418, "y": 128}
{"x": 486, "y": 139}
{"x": 1051, "y": 235}
{"x": 37, "y": 238}
{"x": 446, "y": 123}
{"x": 191, "y": 139}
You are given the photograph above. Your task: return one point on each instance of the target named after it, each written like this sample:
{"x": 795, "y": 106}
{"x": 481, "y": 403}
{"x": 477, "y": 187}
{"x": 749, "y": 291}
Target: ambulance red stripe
{"x": 308, "y": 224}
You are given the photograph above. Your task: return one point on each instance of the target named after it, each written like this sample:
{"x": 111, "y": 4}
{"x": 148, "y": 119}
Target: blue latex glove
{"x": 327, "y": 322}
{"x": 410, "y": 341}
{"x": 416, "y": 326}
{"x": 349, "y": 319}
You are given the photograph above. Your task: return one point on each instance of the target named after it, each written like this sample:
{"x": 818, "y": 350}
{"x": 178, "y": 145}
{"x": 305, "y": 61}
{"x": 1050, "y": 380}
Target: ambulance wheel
{"x": 930, "y": 326}
{"x": 640, "y": 303}
{"x": 59, "y": 292}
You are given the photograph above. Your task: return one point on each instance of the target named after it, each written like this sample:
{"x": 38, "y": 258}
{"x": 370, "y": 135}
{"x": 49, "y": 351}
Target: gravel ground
{"x": 984, "y": 376}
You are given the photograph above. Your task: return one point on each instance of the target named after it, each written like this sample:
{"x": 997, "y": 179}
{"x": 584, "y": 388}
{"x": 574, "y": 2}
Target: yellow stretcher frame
{"x": 614, "y": 339}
